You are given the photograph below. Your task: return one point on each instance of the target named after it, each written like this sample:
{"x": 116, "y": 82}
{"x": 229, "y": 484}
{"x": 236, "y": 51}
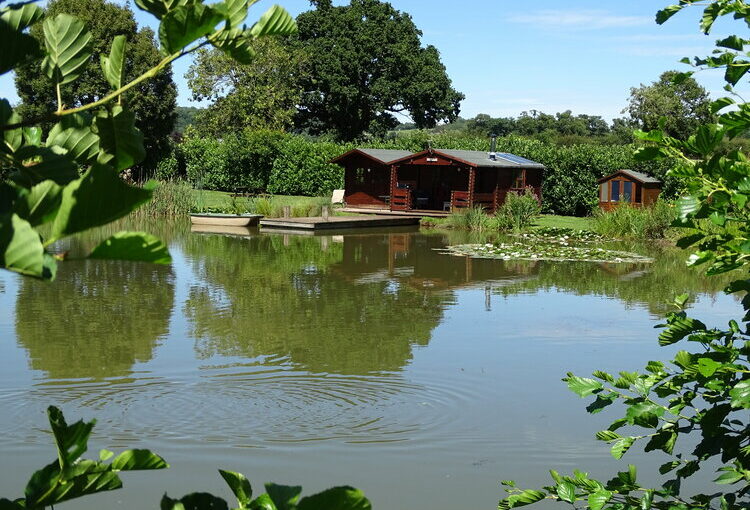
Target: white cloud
{"x": 580, "y": 19}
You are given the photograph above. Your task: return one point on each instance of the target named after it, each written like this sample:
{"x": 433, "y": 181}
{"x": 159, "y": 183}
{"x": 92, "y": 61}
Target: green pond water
{"x": 370, "y": 359}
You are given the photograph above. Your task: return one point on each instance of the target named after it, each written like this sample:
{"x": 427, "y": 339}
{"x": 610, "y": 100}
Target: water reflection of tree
{"x": 96, "y": 320}
{"x": 653, "y": 286}
{"x": 279, "y": 296}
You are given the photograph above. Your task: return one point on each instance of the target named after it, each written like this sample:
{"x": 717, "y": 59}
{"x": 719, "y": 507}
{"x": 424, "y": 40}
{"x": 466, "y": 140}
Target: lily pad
{"x": 549, "y": 250}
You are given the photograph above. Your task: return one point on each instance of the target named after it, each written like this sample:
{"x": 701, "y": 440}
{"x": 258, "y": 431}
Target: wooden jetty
{"x": 337, "y": 222}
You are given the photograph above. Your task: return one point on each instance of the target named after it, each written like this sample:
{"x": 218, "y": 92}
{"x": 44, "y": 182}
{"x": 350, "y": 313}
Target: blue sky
{"x": 510, "y": 56}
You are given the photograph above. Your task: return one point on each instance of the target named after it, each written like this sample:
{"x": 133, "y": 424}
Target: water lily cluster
{"x": 555, "y": 251}
{"x": 562, "y": 235}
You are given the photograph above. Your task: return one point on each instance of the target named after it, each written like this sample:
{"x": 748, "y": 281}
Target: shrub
{"x": 627, "y": 222}
{"x": 236, "y": 162}
{"x": 302, "y": 168}
{"x": 518, "y": 211}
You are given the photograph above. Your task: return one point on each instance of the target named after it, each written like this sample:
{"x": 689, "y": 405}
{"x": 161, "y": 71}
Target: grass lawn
{"x": 552, "y": 220}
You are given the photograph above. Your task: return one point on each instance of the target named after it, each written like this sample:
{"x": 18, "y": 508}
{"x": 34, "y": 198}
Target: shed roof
{"x": 638, "y": 176}
{"x": 383, "y": 156}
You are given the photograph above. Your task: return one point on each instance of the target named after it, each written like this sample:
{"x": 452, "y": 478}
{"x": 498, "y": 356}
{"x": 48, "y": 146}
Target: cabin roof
{"x": 637, "y": 176}
{"x": 477, "y": 158}
{"x": 482, "y": 159}
{"x": 383, "y": 156}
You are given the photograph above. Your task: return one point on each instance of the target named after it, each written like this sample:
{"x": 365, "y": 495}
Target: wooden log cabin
{"x": 628, "y": 187}
{"x": 433, "y": 180}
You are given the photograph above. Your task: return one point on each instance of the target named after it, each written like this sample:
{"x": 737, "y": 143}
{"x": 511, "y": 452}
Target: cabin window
{"x": 627, "y": 191}
{"x": 637, "y": 193}
{"x": 615, "y": 191}
{"x": 360, "y": 175}
{"x": 519, "y": 181}
{"x": 604, "y": 192}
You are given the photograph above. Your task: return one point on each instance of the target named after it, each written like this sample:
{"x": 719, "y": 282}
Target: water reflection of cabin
{"x": 435, "y": 179}
{"x": 628, "y": 187}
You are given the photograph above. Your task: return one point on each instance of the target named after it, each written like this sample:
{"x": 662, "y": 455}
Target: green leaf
{"x": 105, "y": 455}
{"x": 262, "y": 502}
{"x": 234, "y": 11}
{"x": 135, "y": 246}
{"x": 707, "y": 367}
{"x": 67, "y": 41}
{"x": 134, "y": 460}
{"x": 729, "y": 477}
{"x": 120, "y": 142}
{"x": 21, "y": 16}
{"x": 185, "y": 24}
{"x": 621, "y": 446}
{"x": 524, "y": 498}
{"x": 721, "y": 103}
{"x": 662, "y": 16}
{"x": 679, "y": 327}
{"x": 735, "y": 71}
{"x": 284, "y": 497}
{"x": 39, "y": 204}
{"x": 732, "y": 42}
{"x": 582, "y": 386}
{"x": 664, "y": 440}
{"x": 337, "y": 498}
{"x": 275, "y": 21}
{"x": 88, "y": 201}
{"x": 160, "y": 7}
{"x": 566, "y": 491}
{"x": 17, "y": 46}
{"x": 239, "y": 485}
{"x": 74, "y": 135}
{"x": 235, "y": 43}
{"x": 21, "y": 249}
{"x": 607, "y": 435}
{"x": 644, "y": 414}
{"x": 601, "y": 402}
{"x": 41, "y": 164}
{"x": 709, "y": 16}
{"x": 598, "y": 499}
{"x": 113, "y": 66}
{"x": 687, "y": 206}
{"x": 689, "y": 240}
{"x": 740, "y": 394}
{"x": 71, "y": 440}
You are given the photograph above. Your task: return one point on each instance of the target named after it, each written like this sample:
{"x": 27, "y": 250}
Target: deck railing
{"x": 401, "y": 200}
{"x": 460, "y": 200}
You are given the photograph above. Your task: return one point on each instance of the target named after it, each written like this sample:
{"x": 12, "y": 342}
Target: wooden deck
{"x": 418, "y": 213}
{"x": 339, "y": 222}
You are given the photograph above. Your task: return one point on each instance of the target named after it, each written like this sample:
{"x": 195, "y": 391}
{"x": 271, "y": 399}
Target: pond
{"x": 371, "y": 359}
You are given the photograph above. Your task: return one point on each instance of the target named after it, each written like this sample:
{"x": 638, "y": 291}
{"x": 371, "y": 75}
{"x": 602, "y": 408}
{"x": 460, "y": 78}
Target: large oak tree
{"x": 366, "y": 64}
{"x": 683, "y": 102}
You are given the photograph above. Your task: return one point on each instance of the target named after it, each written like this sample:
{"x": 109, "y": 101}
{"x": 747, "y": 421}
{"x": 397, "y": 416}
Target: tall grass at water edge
{"x": 627, "y": 222}
{"x": 516, "y": 214}
{"x": 170, "y": 198}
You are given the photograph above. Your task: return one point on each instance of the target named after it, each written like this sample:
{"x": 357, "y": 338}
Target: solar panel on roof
{"x": 515, "y": 159}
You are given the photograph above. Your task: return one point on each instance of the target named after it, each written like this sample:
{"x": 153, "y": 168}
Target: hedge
{"x": 294, "y": 165}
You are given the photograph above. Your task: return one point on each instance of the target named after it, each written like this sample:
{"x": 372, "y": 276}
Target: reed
{"x": 627, "y": 222}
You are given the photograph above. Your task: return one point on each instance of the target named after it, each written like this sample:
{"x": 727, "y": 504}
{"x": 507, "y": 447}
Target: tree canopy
{"x": 153, "y": 102}
{"x": 262, "y": 94}
{"x": 680, "y": 99}
{"x": 366, "y": 64}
